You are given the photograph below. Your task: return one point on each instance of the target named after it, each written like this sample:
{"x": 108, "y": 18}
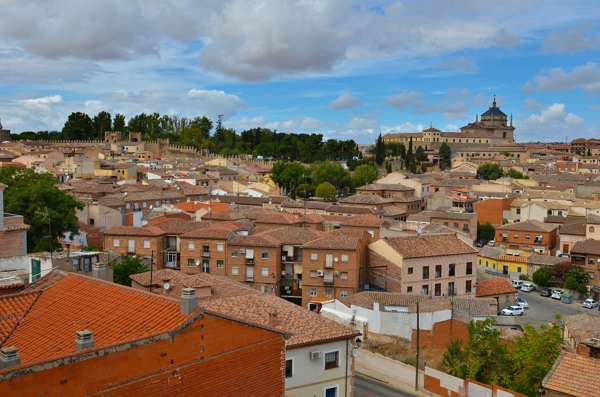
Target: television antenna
{"x": 46, "y": 214}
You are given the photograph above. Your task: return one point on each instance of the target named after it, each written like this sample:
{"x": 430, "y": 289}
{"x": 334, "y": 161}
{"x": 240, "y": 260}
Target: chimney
{"x": 99, "y": 271}
{"x": 273, "y": 320}
{"x": 9, "y": 357}
{"x": 189, "y": 300}
{"x": 84, "y": 340}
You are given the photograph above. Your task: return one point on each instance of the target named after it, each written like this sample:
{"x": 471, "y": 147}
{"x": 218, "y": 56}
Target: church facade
{"x": 493, "y": 129}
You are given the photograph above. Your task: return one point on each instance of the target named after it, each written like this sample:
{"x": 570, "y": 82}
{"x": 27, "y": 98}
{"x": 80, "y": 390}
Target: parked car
{"x": 513, "y": 311}
{"x": 590, "y": 303}
{"x": 546, "y": 292}
{"x": 517, "y": 283}
{"x": 556, "y": 294}
{"x": 521, "y": 302}
{"x": 528, "y": 287}
{"x": 492, "y": 242}
{"x": 480, "y": 243}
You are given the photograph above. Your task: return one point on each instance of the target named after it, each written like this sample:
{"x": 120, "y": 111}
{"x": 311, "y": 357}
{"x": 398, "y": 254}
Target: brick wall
{"x": 389, "y": 277}
{"x": 442, "y": 332}
{"x": 156, "y": 245}
{"x": 214, "y": 257}
{"x": 491, "y": 210}
{"x": 13, "y": 243}
{"x": 211, "y": 357}
{"x": 272, "y": 264}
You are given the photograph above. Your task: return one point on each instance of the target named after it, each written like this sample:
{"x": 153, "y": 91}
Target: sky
{"x": 345, "y": 69}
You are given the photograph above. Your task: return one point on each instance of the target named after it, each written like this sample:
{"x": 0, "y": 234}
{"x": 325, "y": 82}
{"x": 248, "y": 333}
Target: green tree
{"x": 129, "y": 265}
{"x": 409, "y": 159}
{"x": 589, "y": 152}
{"x": 485, "y": 231}
{"x": 119, "y": 122}
{"x": 514, "y": 174}
{"x": 571, "y": 283}
{"x": 364, "y": 174}
{"x": 379, "y": 150}
{"x": 330, "y": 171}
{"x": 395, "y": 149}
{"x": 454, "y": 358}
{"x": 305, "y": 191}
{"x": 445, "y": 156}
{"x": 78, "y": 127}
{"x": 534, "y": 353}
{"x": 579, "y": 274}
{"x": 542, "y": 276}
{"x": 325, "y": 190}
{"x": 490, "y": 171}
{"x": 420, "y": 154}
{"x": 100, "y": 123}
{"x": 288, "y": 175}
{"x": 29, "y": 194}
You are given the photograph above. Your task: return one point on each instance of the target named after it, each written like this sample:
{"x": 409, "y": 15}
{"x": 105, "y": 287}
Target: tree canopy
{"x": 325, "y": 190}
{"x": 490, "y": 171}
{"x": 364, "y": 174}
{"x": 289, "y": 175}
{"x": 379, "y": 150}
{"x": 485, "y": 231}
{"x": 129, "y": 265}
{"x": 445, "y": 156}
{"x": 329, "y": 171}
{"x": 514, "y": 174}
{"x": 31, "y": 194}
{"x": 520, "y": 367}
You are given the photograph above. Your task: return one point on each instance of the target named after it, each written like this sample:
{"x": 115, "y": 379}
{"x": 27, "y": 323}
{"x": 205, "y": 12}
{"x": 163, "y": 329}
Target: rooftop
{"x": 498, "y": 286}
{"x": 574, "y": 375}
{"x": 423, "y": 246}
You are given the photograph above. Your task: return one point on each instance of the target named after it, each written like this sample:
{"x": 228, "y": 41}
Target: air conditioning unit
{"x": 336, "y": 273}
{"x": 320, "y": 273}
{"x": 315, "y": 355}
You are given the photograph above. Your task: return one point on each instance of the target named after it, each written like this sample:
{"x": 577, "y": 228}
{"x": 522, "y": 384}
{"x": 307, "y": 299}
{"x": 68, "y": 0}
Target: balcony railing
{"x": 249, "y": 278}
{"x": 249, "y": 261}
{"x": 171, "y": 265}
{"x": 206, "y": 254}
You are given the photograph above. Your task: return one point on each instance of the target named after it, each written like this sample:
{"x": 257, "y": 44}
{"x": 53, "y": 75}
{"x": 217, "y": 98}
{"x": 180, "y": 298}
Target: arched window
{"x": 592, "y": 229}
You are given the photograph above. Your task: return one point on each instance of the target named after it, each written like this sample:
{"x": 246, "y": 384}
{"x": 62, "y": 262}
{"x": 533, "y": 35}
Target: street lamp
{"x": 541, "y": 390}
{"x": 358, "y": 342}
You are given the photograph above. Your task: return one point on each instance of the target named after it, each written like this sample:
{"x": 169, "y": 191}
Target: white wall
{"x": 19, "y": 262}
{"x": 310, "y": 378}
{"x": 388, "y": 367}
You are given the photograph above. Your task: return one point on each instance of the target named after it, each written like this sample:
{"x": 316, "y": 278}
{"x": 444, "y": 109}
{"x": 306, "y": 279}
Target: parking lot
{"x": 543, "y": 308}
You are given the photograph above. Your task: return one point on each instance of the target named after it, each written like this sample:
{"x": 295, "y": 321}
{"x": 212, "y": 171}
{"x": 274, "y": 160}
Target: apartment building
{"x": 587, "y": 255}
{"x": 525, "y": 238}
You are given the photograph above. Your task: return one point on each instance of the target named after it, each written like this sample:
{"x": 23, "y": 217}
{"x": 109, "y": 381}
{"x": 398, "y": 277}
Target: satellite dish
{"x": 283, "y": 272}
{"x": 335, "y": 259}
{"x": 354, "y": 353}
{"x": 166, "y": 286}
{"x": 197, "y": 262}
{"x": 151, "y": 207}
{"x": 125, "y": 194}
{"x": 419, "y": 231}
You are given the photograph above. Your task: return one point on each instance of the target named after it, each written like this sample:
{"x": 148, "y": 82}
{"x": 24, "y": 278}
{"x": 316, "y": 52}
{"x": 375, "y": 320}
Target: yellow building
{"x": 495, "y": 260}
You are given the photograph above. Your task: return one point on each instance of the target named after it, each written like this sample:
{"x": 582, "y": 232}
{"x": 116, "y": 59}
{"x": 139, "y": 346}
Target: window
{"x": 456, "y": 225}
{"x": 127, "y": 206}
{"x": 220, "y": 247}
{"x": 91, "y": 222}
{"x": 331, "y": 360}
{"x": 313, "y": 292}
{"x": 468, "y": 287}
{"x": 516, "y": 236}
{"x": 591, "y": 260}
{"x": 190, "y": 246}
{"x": 425, "y": 272}
{"x": 344, "y": 258}
{"x": 289, "y": 368}
{"x": 518, "y": 211}
{"x": 264, "y": 272}
{"x": 451, "y": 269}
{"x": 527, "y": 237}
{"x": 191, "y": 262}
{"x": 410, "y": 270}
{"x": 425, "y": 290}
{"x": 344, "y": 275}
{"x": 445, "y": 223}
{"x": 265, "y": 255}
{"x": 592, "y": 229}
{"x": 116, "y": 242}
{"x": 234, "y": 253}
{"x": 313, "y": 274}
{"x": 508, "y": 298}
{"x": 519, "y": 269}
{"x": 438, "y": 271}
{"x": 146, "y": 243}
{"x": 314, "y": 256}
{"x": 409, "y": 290}
{"x": 219, "y": 262}
{"x": 343, "y": 293}
{"x": 144, "y": 204}
{"x": 328, "y": 260}
{"x": 328, "y": 293}
{"x": 131, "y": 246}
{"x": 234, "y": 271}
{"x": 469, "y": 267}
{"x": 205, "y": 248}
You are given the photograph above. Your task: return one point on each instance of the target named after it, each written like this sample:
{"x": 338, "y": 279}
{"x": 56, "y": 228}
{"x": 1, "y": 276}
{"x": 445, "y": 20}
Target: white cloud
{"x": 595, "y": 106}
{"x": 572, "y": 39}
{"x": 345, "y": 101}
{"x": 504, "y": 38}
{"x": 459, "y": 94}
{"x": 553, "y": 121}
{"x": 587, "y": 77}
{"x": 400, "y": 101}
{"x": 456, "y": 110}
{"x": 532, "y": 104}
{"x": 461, "y": 63}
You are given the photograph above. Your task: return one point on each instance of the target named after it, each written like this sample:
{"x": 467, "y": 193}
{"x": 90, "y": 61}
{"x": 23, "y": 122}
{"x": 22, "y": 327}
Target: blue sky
{"x": 346, "y": 69}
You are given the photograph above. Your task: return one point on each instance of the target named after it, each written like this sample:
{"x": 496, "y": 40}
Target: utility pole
{"x": 418, "y": 337}
{"x": 151, "y": 267}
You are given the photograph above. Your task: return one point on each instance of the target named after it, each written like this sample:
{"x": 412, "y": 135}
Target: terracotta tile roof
{"x": 367, "y": 299}
{"x": 536, "y": 259}
{"x": 490, "y": 252}
{"x": 294, "y": 235}
{"x": 255, "y": 240}
{"x": 386, "y": 186}
{"x": 338, "y": 241}
{"x": 586, "y": 247}
{"x": 306, "y": 327}
{"x": 150, "y": 231}
{"x": 429, "y": 245}
{"x": 284, "y": 218}
{"x": 498, "y": 286}
{"x": 180, "y": 226}
{"x": 175, "y": 277}
{"x": 528, "y": 226}
{"x": 574, "y": 375}
{"x": 113, "y": 313}
{"x": 13, "y": 309}
{"x": 348, "y": 209}
{"x": 449, "y": 215}
{"x": 192, "y": 206}
{"x": 573, "y": 229}
{"x": 367, "y": 220}
{"x": 209, "y": 233}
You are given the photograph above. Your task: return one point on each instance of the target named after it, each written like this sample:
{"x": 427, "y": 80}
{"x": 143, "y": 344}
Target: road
{"x": 543, "y": 308}
{"x": 368, "y": 387}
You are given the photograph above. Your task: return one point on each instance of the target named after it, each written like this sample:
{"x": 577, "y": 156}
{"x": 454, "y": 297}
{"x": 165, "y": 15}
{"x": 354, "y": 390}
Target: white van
{"x": 517, "y": 283}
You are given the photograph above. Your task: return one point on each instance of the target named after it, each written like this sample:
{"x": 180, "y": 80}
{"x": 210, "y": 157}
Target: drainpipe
{"x": 347, "y": 362}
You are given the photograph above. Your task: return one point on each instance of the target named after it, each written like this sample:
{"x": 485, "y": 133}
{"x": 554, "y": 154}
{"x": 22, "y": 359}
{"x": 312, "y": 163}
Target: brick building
{"x": 147, "y": 242}
{"x": 499, "y": 289}
{"x": 587, "y": 255}
{"x": 493, "y": 210}
{"x": 13, "y": 239}
{"x": 527, "y": 237}
{"x": 121, "y": 341}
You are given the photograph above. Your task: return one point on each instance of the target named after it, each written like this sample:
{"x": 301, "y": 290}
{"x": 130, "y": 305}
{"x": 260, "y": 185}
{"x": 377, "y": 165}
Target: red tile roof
{"x": 574, "y": 375}
{"x": 70, "y": 302}
{"x": 135, "y": 231}
{"x": 498, "y": 286}
{"x": 423, "y": 246}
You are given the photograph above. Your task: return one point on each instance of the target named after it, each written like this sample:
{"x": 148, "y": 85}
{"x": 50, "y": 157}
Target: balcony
{"x": 250, "y": 278}
{"x": 249, "y": 261}
{"x": 206, "y": 254}
{"x": 171, "y": 265}
{"x": 288, "y": 258}
{"x": 328, "y": 277}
